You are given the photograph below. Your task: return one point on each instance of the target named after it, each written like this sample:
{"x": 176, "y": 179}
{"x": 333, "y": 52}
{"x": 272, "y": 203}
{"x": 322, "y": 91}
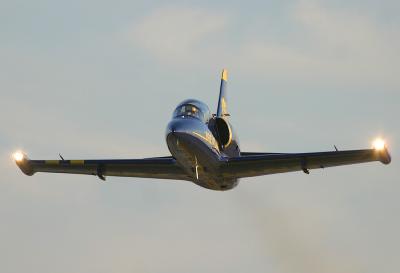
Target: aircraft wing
{"x": 255, "y": 164}
{"x": 159, "y": 167}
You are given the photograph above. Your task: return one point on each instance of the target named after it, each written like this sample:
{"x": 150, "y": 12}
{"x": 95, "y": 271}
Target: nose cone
{"x": 177, "y": 133}
{"x": 181, "y": 125}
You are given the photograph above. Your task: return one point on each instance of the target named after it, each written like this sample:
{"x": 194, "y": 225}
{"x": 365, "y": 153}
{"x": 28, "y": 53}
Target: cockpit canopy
{"x": 193, "y": 108}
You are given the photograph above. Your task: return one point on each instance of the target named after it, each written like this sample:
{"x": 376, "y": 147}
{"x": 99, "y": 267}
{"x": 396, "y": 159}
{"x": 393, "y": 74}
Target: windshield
{"x": 188, "y": 110}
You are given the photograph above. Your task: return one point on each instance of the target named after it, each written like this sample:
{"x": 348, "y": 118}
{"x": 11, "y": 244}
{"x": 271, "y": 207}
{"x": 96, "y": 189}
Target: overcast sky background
{"x": 100, "y": 79}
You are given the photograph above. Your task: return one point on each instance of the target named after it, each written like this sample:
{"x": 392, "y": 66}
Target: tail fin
{"x": 222, "y": 102}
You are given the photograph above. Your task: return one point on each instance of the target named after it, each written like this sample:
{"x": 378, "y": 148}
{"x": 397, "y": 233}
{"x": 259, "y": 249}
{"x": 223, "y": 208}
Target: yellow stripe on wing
{"x": 77, "y": 162}
{"x": 52, "y": 162}
{"x": 58, "y": 162}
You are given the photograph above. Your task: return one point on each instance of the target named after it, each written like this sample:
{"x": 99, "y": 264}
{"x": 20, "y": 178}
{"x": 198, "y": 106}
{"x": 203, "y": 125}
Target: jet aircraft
{"x": 205, "y": 150}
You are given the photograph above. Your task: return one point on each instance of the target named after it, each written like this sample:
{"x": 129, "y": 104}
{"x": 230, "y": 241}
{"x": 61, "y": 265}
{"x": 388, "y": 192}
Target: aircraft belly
{"x": 200, "y": 160}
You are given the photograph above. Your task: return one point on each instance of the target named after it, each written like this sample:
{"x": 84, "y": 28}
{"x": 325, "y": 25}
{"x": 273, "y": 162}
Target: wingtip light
{"x": 18, "y": 156}
{"x": 379, "y": 144}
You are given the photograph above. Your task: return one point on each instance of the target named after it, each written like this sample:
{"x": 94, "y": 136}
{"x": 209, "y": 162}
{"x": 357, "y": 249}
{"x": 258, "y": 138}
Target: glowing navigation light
{"x": 18, "y": 156}
{"x": 379, "y": 144}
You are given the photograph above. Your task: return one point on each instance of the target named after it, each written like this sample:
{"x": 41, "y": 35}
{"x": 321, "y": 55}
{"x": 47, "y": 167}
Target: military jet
{"x": 205, "y": 150}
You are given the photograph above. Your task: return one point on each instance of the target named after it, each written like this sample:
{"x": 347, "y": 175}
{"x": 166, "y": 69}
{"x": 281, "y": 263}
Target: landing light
{"x": 379, "y": 144}
{"x": 18, "y": 156}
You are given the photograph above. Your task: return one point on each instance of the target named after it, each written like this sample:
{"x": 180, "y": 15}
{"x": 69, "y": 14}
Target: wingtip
{"x": 384, "y": 156}
{"x": 382, "y": 151}
{"x": 23, "y": 162}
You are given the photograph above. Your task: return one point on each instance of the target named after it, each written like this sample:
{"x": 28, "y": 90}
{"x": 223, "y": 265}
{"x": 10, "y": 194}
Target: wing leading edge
{"x": 255, "y": 164}
{"x": 247, "y": 165}
{"x": 159, "y": 167}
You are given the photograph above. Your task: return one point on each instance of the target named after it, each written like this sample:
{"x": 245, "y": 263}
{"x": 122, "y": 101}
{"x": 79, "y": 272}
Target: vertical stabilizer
{"x": 222, "y": 102}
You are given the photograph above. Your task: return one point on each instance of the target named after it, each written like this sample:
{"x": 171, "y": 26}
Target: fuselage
{"x": 196, "y": 146}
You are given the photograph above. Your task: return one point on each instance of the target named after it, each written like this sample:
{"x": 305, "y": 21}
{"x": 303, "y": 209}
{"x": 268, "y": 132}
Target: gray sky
{"x": 98, "y": 79}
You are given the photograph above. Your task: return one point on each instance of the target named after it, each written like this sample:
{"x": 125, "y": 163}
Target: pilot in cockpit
{"x": 194, "y": 109}
{"x": 189, "y": 110}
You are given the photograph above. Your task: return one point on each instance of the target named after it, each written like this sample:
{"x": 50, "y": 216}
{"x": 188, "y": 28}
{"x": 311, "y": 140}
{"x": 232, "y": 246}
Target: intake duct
{"x": 223, "y": 132}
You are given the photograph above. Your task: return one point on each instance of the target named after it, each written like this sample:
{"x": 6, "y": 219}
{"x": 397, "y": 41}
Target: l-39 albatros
{"x": 205, "y": 150}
